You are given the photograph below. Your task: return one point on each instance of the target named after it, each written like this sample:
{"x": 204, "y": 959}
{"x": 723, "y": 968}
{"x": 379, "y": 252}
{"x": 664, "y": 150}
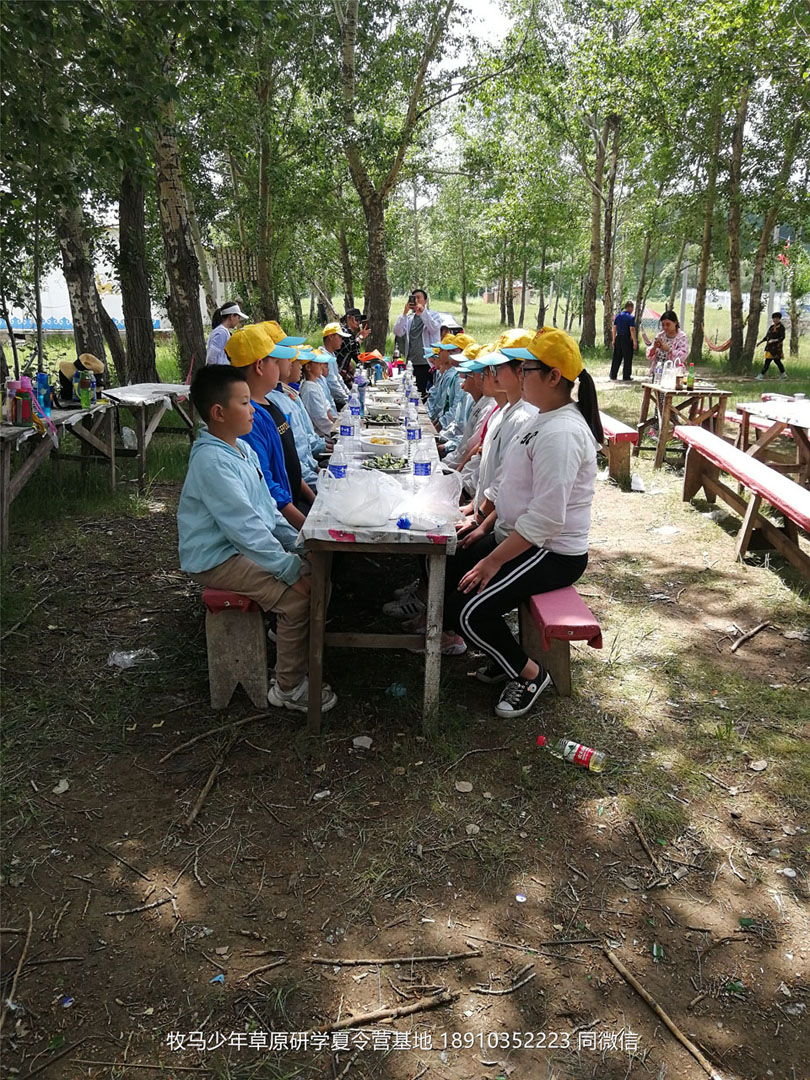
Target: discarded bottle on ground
{"x": 574, "y": 753}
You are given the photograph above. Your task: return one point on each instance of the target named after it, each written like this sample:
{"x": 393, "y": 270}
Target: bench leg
{"x": 556, "y": 659}
{"x": 237, "y": 653}
{"x": 618, "y": 456}
{"x": 692, "y": 474}
{"x": 744, "y": 538}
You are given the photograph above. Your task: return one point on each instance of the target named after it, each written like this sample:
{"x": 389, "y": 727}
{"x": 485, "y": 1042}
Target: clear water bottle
{"x": 346, "y": 423}
{"x": 411, "y": 428}
{"x": 575, "y": 753}
{"x": 659, "y": 373}
{"x": 355, "y": 406}
{"x": 668, "y": 378}
{"x": 409, "y": 370}
{"x": 422, "y": 465}
{"x": 339, "y": 463}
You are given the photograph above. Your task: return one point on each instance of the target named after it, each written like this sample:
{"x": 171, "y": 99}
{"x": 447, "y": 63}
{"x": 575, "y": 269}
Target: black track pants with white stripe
{"x": 479, "y": 617}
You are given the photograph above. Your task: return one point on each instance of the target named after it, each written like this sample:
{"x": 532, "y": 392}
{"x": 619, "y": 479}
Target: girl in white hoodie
{"x": 543, "y": 514}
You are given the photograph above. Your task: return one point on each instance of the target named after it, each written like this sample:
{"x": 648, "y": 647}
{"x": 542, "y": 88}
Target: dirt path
{"x": 305, "y": 851}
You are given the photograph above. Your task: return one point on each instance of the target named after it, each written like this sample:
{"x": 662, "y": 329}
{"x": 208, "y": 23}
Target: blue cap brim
{"x": 280, "y": 353}
{"x": 448, "y": 345}
{"x": 291, "y": 341}
{"x": 518, "y": 354}
{"x": 496, "y": 359}
{"x": 470, "y": 368}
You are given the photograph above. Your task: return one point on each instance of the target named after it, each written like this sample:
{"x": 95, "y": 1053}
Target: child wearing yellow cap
{"x": 542, "y": 517}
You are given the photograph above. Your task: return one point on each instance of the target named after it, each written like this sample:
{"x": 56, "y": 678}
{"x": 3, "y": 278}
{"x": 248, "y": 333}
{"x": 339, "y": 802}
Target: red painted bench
{"x": 237, "y": 647}
{"x": 616, "y": 447}
{"x": 549, "y": 622}
{"x": 708, "y": 455}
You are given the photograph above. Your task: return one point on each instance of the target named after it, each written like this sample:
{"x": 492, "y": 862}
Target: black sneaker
{"x": 491, "y": 672}
{"x": 519, "y": 695}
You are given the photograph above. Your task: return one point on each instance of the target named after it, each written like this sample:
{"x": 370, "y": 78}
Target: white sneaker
{"x": 760, "y": 378}
{"x": 298, "y": 699}
{"x": 783, "y": 377}
{"x": 407, "y": 607}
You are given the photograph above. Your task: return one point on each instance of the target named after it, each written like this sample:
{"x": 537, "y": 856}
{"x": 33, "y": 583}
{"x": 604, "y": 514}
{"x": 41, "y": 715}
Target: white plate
{"x": 390, "y": 446}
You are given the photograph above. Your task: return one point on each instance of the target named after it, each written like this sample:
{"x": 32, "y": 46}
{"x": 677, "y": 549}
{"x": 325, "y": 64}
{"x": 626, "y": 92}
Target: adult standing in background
{"x": 421, "y": 329}
{"x": 334, "y": 337}
{"x": 355, "y": 323}
{"x": 774, "y": 343}
{"x": 224, "y": 320}
{"x": 625, "y": 343}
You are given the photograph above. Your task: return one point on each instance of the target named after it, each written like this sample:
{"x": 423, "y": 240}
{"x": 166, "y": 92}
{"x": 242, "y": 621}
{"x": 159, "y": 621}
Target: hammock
{"x": 717, "y": 348}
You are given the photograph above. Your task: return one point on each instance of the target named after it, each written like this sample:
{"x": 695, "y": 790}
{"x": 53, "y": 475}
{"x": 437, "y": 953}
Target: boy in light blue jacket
{"x": 229, "y": 526}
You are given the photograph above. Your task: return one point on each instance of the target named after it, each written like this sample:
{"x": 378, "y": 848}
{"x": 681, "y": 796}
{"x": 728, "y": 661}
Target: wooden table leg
{"x": 110, "y": 422}
{"x": 720, "y": 418}
{"x": 433, "y": 638}
{"x": 140, "y": 435}
{"x": 642, "y": 423}
{"x": 5, "y": 491}
{"x": 317, "y": 623}
{"x": 663, "y": 431}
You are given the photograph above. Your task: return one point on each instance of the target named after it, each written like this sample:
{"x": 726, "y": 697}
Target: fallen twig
{"x": 446, "y": 997}
{"x": 345, "y": 1071}
{"x": 118, "y": 858}
{"x": 212, "y": 731}
{"x": 646, "y": 846}
{"x": 509, "y": 990}
{"x": 12, "y": 930}
{"x": 25, "y": 618}
{"x": 659, "y": 1012}
{"x": 56, "y": 960}
{"x": 142, "y": 907}
{"x": 202, "y": 1070}
{"x": 20, "y": 962}
{"x": 263, "y": 967}
{"x": 380, "y": 960}
{"x": 47, "y": 1064}
{"x": 209, "y": 783}
{"x": 749, "y": 635}
{"x": 540, "y": 944}
{"x": 59, "y": 918}
{"x": 479, "y": 750}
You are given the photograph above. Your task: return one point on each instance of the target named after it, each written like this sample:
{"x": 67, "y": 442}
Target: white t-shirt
{"x": 548, "y": 482}
{"x": 513, "y": 420}
{"x": 215, "y": 349}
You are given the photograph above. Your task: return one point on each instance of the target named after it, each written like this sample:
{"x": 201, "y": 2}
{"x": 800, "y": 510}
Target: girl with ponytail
{"x": 224, "y": 320}
{"x": 543, "y": 516}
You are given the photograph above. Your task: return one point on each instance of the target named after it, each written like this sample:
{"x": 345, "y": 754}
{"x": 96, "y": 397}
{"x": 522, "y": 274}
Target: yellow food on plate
{"x": 381, "y": 442}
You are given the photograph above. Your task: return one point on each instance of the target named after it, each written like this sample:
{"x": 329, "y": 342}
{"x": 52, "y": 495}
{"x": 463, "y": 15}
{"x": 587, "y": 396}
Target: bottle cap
{"x": 541, "y": 740}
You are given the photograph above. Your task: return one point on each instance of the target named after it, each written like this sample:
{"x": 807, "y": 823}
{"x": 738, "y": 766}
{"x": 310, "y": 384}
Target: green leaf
{"x": 56, "y": 1043}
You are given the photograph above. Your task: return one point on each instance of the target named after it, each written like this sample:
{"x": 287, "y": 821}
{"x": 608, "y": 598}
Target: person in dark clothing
{"x": 355, "y": 322}
{"x": 625, "y": 343}
{"x": 774, "y": 345}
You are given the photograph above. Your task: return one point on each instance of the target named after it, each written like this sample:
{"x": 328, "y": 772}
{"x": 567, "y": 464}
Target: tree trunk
{"x": 524, "y": 284}
{"x": 77, "y": 265}
{"x": 114, "y": 342}
{"x": 182, "y": 269}
{"x": 502, "y": 288}
{"x": 464, "y": 311}
{"x": 734, "y": 217}
{"x": 607, "y": 294}
{"x": 202, "y": 259}
{"x": 696, "y": 349}
{"x": 676, "y": 275}
{"x": 13, "y": 341}
{"x": 566, "y": 323}
{"x": 556, "y": 302}
{"x": 588, "y": 336}
{"x": 132, "y": 273}
{"x": 269, "y": 309}
{"x": 377, "y": 299}
{"x": 510, "y": 294}
{"x": 295, "y": 296}
{"x": 348, "y": 273}
{"x": 237, "y": 202}
{"x": 778, "y": 191}
{"x": 311, "y": 306}
{"x": 541, "y": 303}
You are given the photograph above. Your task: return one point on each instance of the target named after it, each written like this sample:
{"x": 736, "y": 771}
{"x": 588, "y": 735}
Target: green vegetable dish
{"x": 386, "y": 463}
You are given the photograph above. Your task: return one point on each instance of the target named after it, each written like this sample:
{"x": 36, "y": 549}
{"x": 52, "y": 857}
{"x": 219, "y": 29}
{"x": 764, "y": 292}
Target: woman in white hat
{"x": 224, "y": 320}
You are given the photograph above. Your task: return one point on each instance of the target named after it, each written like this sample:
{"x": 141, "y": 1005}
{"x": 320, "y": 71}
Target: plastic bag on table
{"x": 436, "y": 503}
{"x": 364, "y": 500}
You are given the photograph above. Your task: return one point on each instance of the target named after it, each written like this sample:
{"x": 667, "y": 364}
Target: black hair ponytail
{"x": 589, "y": 406}
{"x": 216, "y": 318}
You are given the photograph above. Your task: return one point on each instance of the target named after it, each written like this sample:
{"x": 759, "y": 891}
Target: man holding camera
{"x": 420, "y": 327}
{"x": 355, "y": 323}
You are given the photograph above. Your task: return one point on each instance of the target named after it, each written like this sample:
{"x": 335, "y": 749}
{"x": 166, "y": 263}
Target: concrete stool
{"x": 237, "y": 647}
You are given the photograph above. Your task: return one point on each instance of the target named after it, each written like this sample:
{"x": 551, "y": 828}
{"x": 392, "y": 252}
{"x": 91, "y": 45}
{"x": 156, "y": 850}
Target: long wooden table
{"x": 94, "y": 428}
{"x": 323, "y": 537}
{"x": 704, "y": 406}
{"x": 794, "y": 415}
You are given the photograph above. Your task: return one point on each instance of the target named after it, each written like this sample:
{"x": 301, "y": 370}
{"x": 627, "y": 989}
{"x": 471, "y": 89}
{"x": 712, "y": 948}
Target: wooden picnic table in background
{"x": 704, "y": 406}
{"x": 794, "y": 415}
{"x": 139, "y": 398}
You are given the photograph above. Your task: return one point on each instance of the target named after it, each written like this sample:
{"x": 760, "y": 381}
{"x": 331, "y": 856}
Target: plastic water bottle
{"x": 574, "y": 753}
{"x": 668, "y": 378}
{"x": 339, "y": 463}
{"x": 412, "y": 429}
{"x": 355, "y": 406}
{"x": 422, "y": 465}
{"x": 659, "y": 373}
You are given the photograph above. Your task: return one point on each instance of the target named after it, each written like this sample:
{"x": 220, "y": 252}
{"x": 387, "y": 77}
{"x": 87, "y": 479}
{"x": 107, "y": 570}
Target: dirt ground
{"x": 159, "y": 947}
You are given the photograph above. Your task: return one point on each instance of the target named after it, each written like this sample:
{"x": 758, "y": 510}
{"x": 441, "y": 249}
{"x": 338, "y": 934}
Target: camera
{"x": 412, "y": 301}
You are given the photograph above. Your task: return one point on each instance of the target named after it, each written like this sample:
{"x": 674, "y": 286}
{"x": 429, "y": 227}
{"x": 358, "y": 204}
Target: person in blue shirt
{"x": 227, "y": 524}
{"x": 334, "y": 335}
{"x": 253, "y": 350}
{"x": 625, "y": 343}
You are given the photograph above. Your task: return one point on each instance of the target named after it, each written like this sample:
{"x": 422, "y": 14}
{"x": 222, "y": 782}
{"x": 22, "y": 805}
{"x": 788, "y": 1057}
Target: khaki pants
{"x": 241, "y": 575}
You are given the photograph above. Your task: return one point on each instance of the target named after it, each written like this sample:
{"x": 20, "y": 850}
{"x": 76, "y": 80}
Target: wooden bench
{"x": 708, "y": 455}
{"x": 237, "y": 647}
{"x": 549, "y": 622}
{"x": 616, "y": 447}
{"x": 736, "y": 419}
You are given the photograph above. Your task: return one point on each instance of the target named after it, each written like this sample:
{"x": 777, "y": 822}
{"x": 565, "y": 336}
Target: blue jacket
{"x": 307, "y": 443}
{"x": 266, "y": 441}
{"x": 225, "y": 509}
